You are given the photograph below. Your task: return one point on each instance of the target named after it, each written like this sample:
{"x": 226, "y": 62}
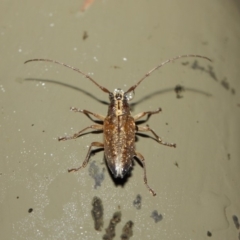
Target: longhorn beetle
{"x": 119, "y": 126}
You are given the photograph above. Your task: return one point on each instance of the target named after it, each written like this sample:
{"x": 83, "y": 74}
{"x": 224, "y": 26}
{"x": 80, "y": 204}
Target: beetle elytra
{"x": 119, "y": 126}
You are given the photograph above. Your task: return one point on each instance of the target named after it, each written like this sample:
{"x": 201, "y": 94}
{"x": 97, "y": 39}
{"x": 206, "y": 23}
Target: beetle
{"x": 119, "y": 126}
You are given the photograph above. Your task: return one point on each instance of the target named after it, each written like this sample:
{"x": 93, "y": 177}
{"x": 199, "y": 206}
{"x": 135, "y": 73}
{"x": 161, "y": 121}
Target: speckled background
{"x": 117, "y": 42}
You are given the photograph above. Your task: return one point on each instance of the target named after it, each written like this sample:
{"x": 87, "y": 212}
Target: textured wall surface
{"x": 117, "y": 42}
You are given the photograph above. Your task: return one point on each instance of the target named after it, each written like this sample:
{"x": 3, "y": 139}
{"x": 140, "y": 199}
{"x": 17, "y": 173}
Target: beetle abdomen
{"x": 119, "y": 143}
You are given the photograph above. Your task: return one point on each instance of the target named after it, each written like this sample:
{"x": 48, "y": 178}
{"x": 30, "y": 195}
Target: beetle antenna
{"x": 160, "y": 65}
{"x": 73, "y": 68}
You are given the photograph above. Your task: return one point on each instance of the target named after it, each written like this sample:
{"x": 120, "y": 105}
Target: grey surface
{"x": 200, "y": 194}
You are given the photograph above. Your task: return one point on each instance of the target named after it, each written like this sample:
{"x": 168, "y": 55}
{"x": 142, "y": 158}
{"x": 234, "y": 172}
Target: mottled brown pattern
{"x": 119, "y": 143}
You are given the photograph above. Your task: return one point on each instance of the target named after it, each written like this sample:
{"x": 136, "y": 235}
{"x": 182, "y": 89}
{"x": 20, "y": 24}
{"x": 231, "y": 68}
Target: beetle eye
{"x": 129, "y": 96}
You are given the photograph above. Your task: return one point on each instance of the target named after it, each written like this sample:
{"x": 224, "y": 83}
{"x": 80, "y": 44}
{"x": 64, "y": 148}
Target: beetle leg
{"x": 84, "y": 164}
{"x": 76, "y": 135}
{"x": 140, "y": 156}
{"x": 147, "y": 128}
{"x": 86, "y": 112}
{"x": 149, "y": 113}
